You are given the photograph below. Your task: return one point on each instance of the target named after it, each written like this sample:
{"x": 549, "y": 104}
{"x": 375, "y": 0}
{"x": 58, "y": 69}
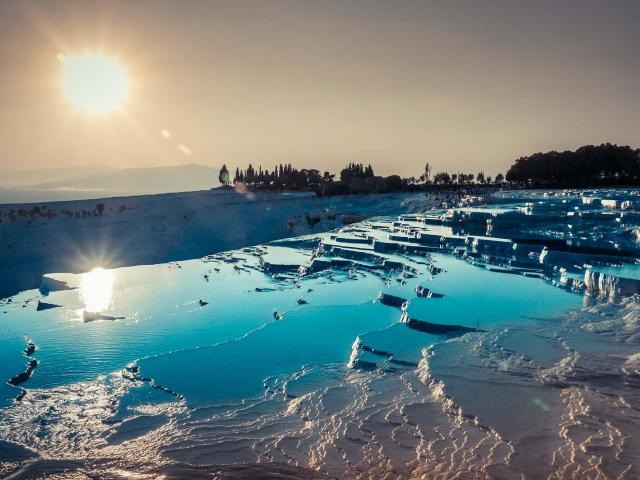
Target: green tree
{"x": 223, "y": 176}
{"x": 442, "y": 178}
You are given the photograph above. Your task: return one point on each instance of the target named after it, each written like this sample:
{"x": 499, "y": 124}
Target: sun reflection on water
{"x": 96, "y": 289}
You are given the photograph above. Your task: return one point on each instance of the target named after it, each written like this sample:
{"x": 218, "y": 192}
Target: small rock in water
{"x": 434, "y": 270}
{"x": 202, "y": 303}
{"x": 45, "y": 306}
{"x": 425, "y": 292}
{"x": 30, "y": 350}
{"x": 24, "y": 376}
{"x": 391, "y": 300}
{"x": 302, "y": 301}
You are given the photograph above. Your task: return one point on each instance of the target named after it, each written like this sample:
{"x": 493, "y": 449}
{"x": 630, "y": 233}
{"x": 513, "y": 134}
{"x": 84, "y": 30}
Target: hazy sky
{"x": 462, "y": 85}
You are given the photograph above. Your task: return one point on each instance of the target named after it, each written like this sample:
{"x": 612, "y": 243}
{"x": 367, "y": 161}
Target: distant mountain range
{"x": 24, "y": 177}
{"x": 97, "y": 182}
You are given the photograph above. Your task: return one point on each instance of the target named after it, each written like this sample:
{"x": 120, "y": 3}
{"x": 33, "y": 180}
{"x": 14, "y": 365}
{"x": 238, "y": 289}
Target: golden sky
{"x": 464, "y": 85}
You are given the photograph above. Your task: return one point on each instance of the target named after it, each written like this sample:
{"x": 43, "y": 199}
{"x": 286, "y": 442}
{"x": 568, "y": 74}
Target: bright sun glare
{"x": 94, "y": 82}
{"x": 96, "y": 288}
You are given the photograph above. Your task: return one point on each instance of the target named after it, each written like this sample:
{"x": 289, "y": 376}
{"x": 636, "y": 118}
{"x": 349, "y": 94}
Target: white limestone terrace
{"x": 590, "y": 246}
{"x": 330, "y": 353}
{"x": 76, "y": 236}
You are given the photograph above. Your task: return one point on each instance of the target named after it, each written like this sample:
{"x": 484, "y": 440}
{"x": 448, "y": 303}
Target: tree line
{"x": 588, "y": 166}
{"x": 353, "y": 178}
{"x": 282, "y": 177}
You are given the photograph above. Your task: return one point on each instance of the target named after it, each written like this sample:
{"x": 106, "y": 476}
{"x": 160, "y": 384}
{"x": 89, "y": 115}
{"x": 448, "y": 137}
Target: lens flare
{"x": 184, "y": 149}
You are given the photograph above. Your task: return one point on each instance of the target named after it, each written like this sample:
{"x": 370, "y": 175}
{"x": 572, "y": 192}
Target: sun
{"x": 93, "y": 82}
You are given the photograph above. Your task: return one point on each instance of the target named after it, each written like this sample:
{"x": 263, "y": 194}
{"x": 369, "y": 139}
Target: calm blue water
{"x": 222, "y": 351}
